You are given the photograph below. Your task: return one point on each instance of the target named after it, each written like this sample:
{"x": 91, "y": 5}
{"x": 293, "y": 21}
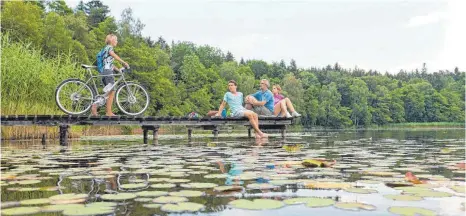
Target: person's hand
{"x": 217, "y": 115}
{"x": 126, "y": 65}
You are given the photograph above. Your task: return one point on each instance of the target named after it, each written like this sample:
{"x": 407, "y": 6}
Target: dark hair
{"x": 232, "y": 81}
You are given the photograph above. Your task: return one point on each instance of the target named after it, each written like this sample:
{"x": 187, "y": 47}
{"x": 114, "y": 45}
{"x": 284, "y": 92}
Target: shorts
{"x": 238, "y": 113}
{"x": 108, "y": 79}
{"x": 262, "y": 110}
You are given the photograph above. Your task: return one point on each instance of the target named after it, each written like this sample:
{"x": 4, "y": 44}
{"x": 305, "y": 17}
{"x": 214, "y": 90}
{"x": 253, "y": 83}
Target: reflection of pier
{"x": 148, "y": 123}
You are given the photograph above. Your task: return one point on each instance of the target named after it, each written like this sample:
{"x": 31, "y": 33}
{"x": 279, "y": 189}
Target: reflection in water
{"x": 264, "y": 168}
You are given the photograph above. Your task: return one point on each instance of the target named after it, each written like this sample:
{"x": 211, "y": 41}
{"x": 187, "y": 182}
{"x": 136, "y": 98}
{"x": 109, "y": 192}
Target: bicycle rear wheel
{"x": 132, "y": 99}
{"x": 74, "y": 97}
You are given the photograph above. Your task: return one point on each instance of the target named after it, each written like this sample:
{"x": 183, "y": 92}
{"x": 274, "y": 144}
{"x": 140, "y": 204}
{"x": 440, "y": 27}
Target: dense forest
{"x": 44, "y": 42}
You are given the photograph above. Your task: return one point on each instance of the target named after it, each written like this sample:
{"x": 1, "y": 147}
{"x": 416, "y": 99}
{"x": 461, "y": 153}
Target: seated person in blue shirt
{"x": 235, "y": 100}
{"x": 261, "y": 102}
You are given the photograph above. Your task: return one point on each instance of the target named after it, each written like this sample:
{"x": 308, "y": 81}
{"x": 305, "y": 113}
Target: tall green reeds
{"x": 29, "y": 79}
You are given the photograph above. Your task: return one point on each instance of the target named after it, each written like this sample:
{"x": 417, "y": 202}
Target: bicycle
{"x": 75, "y": 97}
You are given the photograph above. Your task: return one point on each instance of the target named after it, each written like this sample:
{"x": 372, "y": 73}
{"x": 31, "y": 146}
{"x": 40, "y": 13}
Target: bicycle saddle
{"x": 87, "y": 66}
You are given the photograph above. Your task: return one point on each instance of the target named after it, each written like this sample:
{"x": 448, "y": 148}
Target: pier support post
{"x": 190, "y": 133}
{"x": 154, "y": 129}
{"x": 215, "y": 132}
{"x": 144, "y": 131}
{"x": 249, "y": 132}
{"x": 283, "y": 131}
{"x": 155, "y": 133}
{"x": 64, "y": 134}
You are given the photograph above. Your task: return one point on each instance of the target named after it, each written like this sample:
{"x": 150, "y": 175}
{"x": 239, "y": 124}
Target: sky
{"x": 385, "y": 35}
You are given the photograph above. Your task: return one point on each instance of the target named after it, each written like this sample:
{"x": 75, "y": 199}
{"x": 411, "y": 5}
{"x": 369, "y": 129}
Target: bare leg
{"x": 283, "y": 106}
{"x": 289, "y": 105}
{"x": 212, "y": 113}
{"x": 111, "y": 95}
{"x": 255, "y": 124}
{"x": 248, "y": 105}
{"x": 94, "y": 109}
{"x": 277, "y": 109}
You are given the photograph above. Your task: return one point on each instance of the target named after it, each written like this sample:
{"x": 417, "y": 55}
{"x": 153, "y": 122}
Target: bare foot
{"x": 264, "y": 135}
{"x": 258, "y": 136}
{"x": 110, "y": 115}
{"x": 94, "y": 110}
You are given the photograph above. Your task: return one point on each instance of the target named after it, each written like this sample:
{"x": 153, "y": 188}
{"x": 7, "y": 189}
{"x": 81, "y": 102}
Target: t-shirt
{"x": 108, "y": 59}
{"x": 266, "y": 96}
{"x": 234, "y": 101}
{"x": 277, "y": 98}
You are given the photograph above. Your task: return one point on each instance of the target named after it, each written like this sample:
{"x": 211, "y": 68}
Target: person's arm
{"x": 258, "y": 103}
{"x": 115, "y": 56}
{"x": 222, "y": 105}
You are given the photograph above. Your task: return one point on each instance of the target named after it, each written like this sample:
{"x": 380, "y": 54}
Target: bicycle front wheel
{"x": 132, "y": 99}
{"x": 74, "y": 97}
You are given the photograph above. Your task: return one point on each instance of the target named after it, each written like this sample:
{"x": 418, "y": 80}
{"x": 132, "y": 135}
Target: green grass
{"x": 422, "y": 125}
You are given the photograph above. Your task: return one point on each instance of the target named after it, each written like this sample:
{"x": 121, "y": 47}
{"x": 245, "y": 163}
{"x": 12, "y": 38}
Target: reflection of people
{"x": 235, "y": 100}
{"x": 233, "y": 173}
{"x": 261, "y": 102}
{"x": 282, "y": 104}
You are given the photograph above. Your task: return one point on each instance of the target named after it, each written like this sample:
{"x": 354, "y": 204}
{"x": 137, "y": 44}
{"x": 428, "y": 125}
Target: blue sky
{"x": 386, "y": 35}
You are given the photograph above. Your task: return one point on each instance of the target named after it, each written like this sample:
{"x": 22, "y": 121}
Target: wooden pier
{"x": 148, "y": 123}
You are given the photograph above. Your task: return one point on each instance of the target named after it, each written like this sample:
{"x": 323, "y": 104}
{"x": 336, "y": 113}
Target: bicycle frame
{"x": 93, "y": 77}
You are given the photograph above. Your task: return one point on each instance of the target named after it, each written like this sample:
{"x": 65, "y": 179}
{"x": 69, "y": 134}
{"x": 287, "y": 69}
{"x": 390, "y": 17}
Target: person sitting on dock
{"x": 282, "y": 104}
{"x": 261, "y": 102}
{"x": 235, "y": 100}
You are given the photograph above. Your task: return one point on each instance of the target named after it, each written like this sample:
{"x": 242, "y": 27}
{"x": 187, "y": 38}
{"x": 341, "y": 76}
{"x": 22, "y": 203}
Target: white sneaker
{"x": 288, "y": 115}
{"x": 296, "y": 114}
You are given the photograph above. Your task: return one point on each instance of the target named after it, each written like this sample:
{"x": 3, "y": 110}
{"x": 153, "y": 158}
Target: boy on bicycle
{"x": 109, "y": 55}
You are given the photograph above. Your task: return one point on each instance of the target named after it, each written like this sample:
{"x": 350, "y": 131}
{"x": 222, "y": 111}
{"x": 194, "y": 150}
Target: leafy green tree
{"x": 97, "y": 12}
{"x": 359, "y": 93}
{"x": 59, "y": 7}
{"x": 22, "y": 21}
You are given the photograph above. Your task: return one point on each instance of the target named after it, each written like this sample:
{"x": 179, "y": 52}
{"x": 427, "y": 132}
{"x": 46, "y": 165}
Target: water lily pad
{"x": 83, "y": 211}
{"x": 60, "y": 207}
{"x": 143, "y": 199}
{"x": 119, "y": 196}
{"x": 403, "y": 197}
{"x": 187, "y": 193}
{"x": 458, "y": 189}
{"x": 35, "y": 202}
{"x": 168, "y": 185}
{"x": 399, "y": 184}
{"x": 354, "y": 206}
{"x": 283, "y": 182}
{"x": 432, "y": 194}
{"x": 314, "y": 202}
{"x": 216, "y": 176}
{"x": 328, "y": 185}
{"x": 68, "y": 198}
{"x": 151, "y": 193}
{"x": 133, "y": 186}
{"x": 81, "y": 177}
{"x": 412, "y": 189}
{"x": 226, "y": 188}
{"x": 27, "y": 182}
{"x": 257, "y": 204}
{"x": 102, "y": 204}
{"x": 152, "y": 205}
{"x": 384, "y": 174}
{"x": 178, "y": 180}
{"x": 360, "y": 190}
{"x": 159, "y": 179}
{"x": 182, "y": 207}
{"x": 199, "y": 185}
{"x": 261, "y": 186}
{"x": 368, "y": 182}
{"x": 299, "y": 200}
{"x": 411, "y": 211}
{"x": 20, "y": 211}
{"x": 170, "y": 199}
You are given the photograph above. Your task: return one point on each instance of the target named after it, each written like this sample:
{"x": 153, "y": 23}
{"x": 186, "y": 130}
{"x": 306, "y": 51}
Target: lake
{"x": 364, "y": 173}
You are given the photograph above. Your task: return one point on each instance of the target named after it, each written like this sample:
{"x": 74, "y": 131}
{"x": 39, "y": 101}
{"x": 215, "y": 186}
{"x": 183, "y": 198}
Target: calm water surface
{"x": 260, "y": 169}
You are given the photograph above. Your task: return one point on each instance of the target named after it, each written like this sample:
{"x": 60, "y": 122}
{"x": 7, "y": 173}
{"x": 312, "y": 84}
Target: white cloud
{"x": 431, "y": 18}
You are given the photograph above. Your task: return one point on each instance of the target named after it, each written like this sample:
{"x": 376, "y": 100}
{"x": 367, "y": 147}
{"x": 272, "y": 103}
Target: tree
{"x": 241, "y": 62}
{"x": 97, "y": 12}
{"x": 330, "y": 113}
{"x": 359, "y": 93}
{"x": 59, "y": 7}
{"x": 57, "y": 39}
{"x": 129, "y": 26}
{"x": 294, "y": 90}
{"x": 293, "y": 67}
{"x": 22, "y": 21}
{"x": 229, "y": 57}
